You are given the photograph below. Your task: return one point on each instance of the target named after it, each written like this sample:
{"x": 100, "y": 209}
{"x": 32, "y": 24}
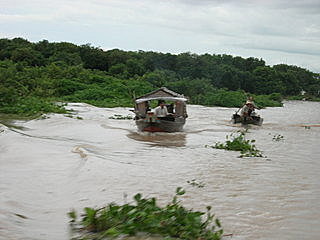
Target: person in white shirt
{"x": 161, "y": 111}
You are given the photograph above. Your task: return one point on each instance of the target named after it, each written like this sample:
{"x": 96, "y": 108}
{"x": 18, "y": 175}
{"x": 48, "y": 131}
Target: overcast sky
{"x": 278, "y": 31}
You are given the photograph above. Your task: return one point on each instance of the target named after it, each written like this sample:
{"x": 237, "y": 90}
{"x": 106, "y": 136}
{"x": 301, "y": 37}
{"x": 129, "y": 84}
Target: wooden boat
{"x": 148, "y": 122}
{"x": 254, "y": 119}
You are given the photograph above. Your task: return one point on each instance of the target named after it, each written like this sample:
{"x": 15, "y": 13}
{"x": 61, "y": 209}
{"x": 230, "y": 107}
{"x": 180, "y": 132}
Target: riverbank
{"x": 303, "y": 98}
{"x": 33, "y": 107}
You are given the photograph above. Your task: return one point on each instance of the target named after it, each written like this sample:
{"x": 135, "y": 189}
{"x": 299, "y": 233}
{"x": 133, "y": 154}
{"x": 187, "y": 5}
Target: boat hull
{"x": 160, "y": 125}
{"x": 256, "y": 120}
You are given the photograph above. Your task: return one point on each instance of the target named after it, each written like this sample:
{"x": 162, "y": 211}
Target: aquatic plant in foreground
{"x": 238, "y": 142}
{"x": 172, "y": 221}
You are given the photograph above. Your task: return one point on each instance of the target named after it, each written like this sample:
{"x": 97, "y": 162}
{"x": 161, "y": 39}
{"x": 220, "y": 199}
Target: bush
{"x": 31, "y": 106}
{"x": 65, "y": 87}
{"x": 272, "y": 100}
{"x": 224, "y": 98}
{"x": 8, "y": 96}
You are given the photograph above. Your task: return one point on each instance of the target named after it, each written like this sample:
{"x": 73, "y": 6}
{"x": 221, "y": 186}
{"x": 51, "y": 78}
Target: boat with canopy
{"x": 147, "y": 121}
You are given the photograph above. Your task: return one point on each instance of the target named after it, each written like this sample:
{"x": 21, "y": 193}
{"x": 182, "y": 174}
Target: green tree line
{"x": 32, "y": 75}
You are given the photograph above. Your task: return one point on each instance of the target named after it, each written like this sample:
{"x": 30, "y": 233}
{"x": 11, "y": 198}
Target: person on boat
{"x": 170, "y": 108}
{"x": 246, "y": 110}
{"x": 161, "y": 110}
{"x": 162, "y": 113}
{"x": 250, "y": 99}
{"x": 147, "y": 106}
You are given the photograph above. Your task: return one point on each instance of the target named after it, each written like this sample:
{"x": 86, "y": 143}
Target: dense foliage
{"x": 43, "y": 72}
{"x": 172, "y": 221}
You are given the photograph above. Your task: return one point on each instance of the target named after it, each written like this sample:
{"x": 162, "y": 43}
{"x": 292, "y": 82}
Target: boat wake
{"x": 160, "y": 139}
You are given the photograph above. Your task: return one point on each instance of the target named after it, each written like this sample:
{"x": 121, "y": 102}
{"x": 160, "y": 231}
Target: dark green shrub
{"x": 31, "y": 106}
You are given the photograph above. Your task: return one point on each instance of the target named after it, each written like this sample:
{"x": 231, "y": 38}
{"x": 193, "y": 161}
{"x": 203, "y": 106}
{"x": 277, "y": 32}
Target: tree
{"x": 94, "y": 58}
{"x": 267, "y": 81}
{"x": 27, "y": 55}
{"x": 119, "y": 69}
{"x": 68, "y": 58}
{"x": 134, "y": 67}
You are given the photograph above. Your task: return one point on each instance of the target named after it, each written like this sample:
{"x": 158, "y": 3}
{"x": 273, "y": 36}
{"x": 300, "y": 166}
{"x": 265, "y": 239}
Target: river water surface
{"x": 52, "y": 165}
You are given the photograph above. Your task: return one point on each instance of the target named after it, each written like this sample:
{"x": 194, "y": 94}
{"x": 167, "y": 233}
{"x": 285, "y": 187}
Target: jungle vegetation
{"x": 34, "y": 76}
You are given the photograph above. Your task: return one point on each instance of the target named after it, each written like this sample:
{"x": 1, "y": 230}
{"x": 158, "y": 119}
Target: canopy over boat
{"x": 163, "y": 94}
{"x": 162, "y": 98}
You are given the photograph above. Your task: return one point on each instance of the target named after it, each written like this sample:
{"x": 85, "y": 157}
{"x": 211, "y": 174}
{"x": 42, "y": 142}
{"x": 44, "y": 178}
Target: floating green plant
{"x": 194, "y": 183}
{"x": 278, "y": 137}
{"x": 144, "y": 216}
{"x": 121, "y": 117}
{"x": 238, "y": 142}
{"x": 70, "y": 115}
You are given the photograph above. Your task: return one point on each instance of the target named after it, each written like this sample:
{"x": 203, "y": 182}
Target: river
{"x": 52, "y": 165}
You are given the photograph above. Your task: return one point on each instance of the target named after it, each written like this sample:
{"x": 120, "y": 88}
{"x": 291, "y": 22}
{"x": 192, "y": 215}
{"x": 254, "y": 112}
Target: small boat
{"x": 253, "y": 119}
{"x": 147, "y": 121}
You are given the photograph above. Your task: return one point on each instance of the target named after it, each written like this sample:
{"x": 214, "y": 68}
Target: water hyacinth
{"x": 277, "y": 138}
{"x": 238, "y": 142}
{"x": 121, "y": 117}
{"x": 144, "y": 216}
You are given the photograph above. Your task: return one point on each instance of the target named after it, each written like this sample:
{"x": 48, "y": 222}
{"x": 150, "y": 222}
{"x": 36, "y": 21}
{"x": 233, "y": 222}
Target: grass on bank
{"x": 304, "y": 98}
{"x": 173, "y": 221}
{"x": 225, "y": 98}
{"x": 32, "y": 107}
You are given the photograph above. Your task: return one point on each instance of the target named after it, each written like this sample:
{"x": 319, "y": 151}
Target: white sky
{"x": 278, "y": 31}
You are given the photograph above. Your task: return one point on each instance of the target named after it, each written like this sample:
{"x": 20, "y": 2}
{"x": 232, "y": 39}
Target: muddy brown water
{"x": 50, "y": 166}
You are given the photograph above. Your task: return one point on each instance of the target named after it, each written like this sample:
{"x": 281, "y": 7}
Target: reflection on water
{"x": 160, "y": 139}
{"x": 51, "y": 165}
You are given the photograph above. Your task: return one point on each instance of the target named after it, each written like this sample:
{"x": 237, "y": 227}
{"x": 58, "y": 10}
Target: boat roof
{"x": 161, "y": 94}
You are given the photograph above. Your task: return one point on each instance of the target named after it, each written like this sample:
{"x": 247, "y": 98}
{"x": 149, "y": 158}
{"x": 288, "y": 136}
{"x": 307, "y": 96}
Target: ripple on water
{"x": 51, "y": 165}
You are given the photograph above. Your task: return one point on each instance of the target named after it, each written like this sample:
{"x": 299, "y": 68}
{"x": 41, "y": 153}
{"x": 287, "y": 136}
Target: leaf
{"x": 137, "y": 197}
{"x": 180, "y": 191}
{"x": 218, "y": 223}
{"x": 112, "y": 232}
{"x": 73, "y": 215}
